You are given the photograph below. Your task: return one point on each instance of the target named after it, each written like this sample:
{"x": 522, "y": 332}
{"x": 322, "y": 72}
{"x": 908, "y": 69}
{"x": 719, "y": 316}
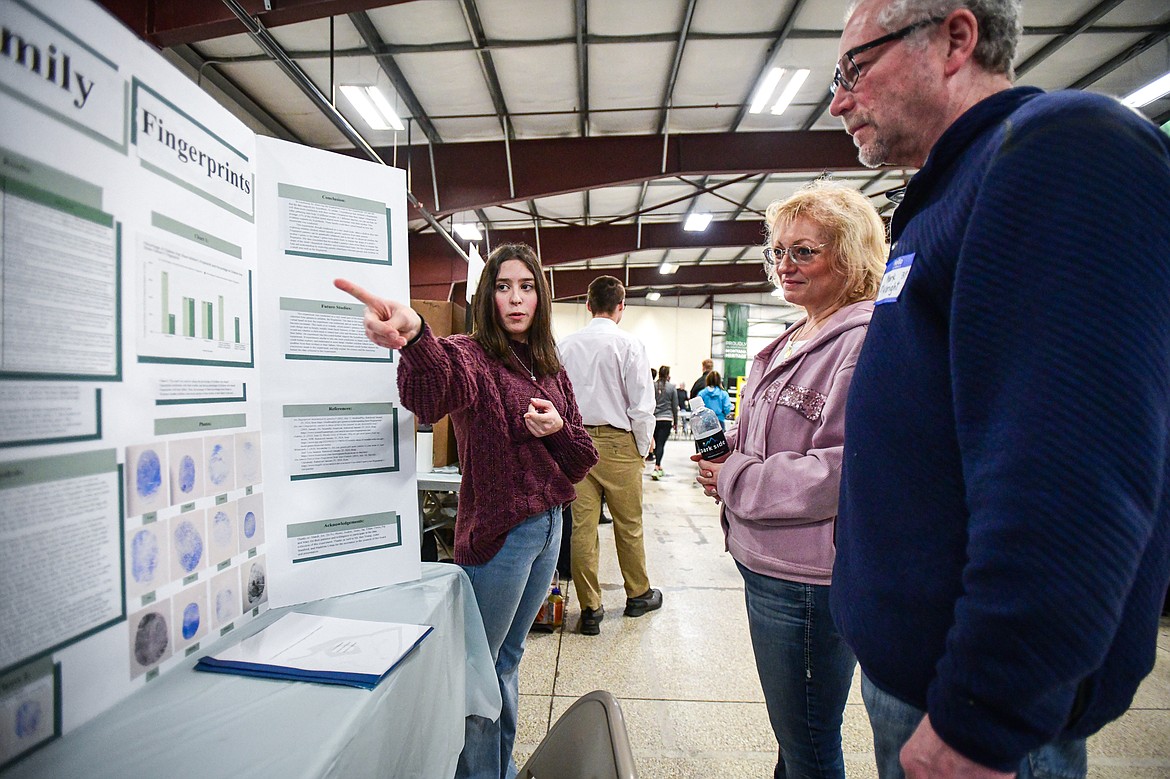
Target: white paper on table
{"x": 315, "y": 643}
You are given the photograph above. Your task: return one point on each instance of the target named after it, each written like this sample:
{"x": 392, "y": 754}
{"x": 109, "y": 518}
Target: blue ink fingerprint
{"x": 224, "y": 600}
{"x": 143, "y": 556}
{"x": 188, "y": 545}
{"x": 28, "y": 719}
{"x": 190, "y": 621}
{"x": 149, "y": 474}
{"x": 218, "y": 468}
{"x": 249, "y": 524}
{"x": 248, "y": 457}
{"x": 221, "y": 528}
{"x": 187, "y": 474}
{"x": 150, "y": 640}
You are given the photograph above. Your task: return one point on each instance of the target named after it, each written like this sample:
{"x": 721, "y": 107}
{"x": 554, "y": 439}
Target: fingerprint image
{"x": 250, "y": 524}
{"x": 190, "y": 621}
{"x": 188, "y": 545}
{"x": 224, "y": 605}
{"x": 221, "y": 528}
{"x": 148, "y": 474}
{"x": 256, "y": 583}
{"x": 150, "y": 641}
{"x": 144, "y": 556}
{"x": 28, "y": 719}
{"x": 247, "y": 459}
{"x": 187, "y": 474}
{"x": 219, "y": 467}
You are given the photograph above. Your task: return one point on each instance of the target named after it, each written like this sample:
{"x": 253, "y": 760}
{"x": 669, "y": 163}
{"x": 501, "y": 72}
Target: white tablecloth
{"x": 193, "y": 724}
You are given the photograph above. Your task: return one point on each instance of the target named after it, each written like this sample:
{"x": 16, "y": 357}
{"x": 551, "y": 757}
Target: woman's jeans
{"x": 805, "y": 669}
{"x": 509, "y": 589}
{"x": 661, "y": 436}
{"x": 894, "y": 722}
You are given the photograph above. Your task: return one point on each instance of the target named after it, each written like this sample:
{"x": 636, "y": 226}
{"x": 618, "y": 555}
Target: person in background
{"x": 522, "y": 447}
{"x": 716, "y": 398}
{"x": 1004, "y": 532}
{"x": 665, "y": 417}
{"x": 779, "y": 485}
{"x": 684, "y": 410}
{"x": 610, "y": 373}
{"x": 697, "y": 387}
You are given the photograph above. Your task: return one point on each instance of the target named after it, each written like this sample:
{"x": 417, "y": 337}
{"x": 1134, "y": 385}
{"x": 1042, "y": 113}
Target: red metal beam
{"x": 434, "y": 266}
{"x": 170, "y": 23}
{"x": 689, "y": 280}
{"x": 475, "y": 175}
{"x": 571, "y": 244}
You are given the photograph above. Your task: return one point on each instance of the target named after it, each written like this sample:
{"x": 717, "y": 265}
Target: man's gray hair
{"x": 999, "y": 25}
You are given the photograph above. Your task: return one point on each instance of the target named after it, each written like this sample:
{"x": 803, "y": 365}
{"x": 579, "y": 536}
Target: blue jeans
{"x": 509, "y": 589}
{"x": 894, "y": 722}
{"x": 805, "y": 669}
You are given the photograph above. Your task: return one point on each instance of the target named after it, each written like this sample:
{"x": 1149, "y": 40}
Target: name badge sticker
{"x": 894, "y": 279}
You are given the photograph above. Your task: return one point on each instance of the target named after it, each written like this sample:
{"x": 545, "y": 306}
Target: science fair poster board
{"x": 192, "y": 425}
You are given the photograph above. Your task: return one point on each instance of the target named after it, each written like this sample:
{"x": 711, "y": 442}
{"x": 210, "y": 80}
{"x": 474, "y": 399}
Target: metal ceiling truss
{"x": 374, "y": 45}
{"x": 170, "y": 23}
{"x": 572, "y": 284}
{"x": 780, "y": 35}
{"x": 476, "y": 175}
{"x": 472, "y": 176}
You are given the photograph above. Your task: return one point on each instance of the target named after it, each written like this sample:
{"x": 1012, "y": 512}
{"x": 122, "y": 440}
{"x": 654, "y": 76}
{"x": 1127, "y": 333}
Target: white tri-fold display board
{"x": 193, "y": 426}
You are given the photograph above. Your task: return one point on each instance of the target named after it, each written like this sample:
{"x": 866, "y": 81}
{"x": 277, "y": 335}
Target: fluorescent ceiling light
{"x": 373, "y": 106}
{"x": 790, "y": 90}
{"x": 697, "y": 222}
{"x": 468, "y": 231}
{"x": 653, "y": 295}
{"x": 777, "y": 293}
{"x": 667, "y": 268}
{"x": 764, "y": 93}
{"x": 1149, "y": 93}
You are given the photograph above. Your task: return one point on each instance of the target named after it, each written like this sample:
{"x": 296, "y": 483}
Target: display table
{"x": 193, "y": 724}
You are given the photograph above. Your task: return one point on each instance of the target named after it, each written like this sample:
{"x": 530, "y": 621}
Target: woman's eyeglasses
{"x": 800, "y": 255}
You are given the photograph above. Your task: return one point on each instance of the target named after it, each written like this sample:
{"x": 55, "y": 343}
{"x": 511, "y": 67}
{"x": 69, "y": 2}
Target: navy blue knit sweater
{"x": 1004, "y": 533}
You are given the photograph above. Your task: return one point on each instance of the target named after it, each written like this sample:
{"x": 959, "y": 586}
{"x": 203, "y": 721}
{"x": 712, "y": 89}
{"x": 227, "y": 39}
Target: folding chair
{"x": 589, "y": 741}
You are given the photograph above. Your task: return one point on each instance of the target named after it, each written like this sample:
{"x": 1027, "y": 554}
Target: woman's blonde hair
{"x": 852, "y": 227}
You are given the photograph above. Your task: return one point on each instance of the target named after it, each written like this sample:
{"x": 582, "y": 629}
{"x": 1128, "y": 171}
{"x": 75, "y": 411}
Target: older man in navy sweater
{"x": 1004, "y": 532}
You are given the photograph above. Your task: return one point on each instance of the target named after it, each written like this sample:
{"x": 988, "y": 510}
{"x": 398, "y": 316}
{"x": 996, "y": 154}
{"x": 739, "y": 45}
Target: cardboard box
{"x": 444, "y": 318}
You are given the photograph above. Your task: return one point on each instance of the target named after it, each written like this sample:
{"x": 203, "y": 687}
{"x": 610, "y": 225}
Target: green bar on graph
{"x": 207, "y": 321}
{"x": 166, "y": 304}
{"x": 190, "y": 326}
{"x": 221, "y": 317}
{"x": 237, "y": 329}
{"x": 170, "y": 324}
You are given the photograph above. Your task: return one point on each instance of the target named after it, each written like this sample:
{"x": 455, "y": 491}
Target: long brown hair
{"x": 485, "y": 318}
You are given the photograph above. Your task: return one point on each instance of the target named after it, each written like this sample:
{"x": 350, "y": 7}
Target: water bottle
{"x": 709, "y": 439}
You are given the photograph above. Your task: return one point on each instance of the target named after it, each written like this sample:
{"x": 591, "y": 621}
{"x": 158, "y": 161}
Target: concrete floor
{"x": 685, "y": 676}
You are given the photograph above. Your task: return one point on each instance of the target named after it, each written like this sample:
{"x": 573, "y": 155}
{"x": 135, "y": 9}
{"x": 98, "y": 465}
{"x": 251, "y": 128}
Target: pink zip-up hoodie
{"x": 780, "y": 483}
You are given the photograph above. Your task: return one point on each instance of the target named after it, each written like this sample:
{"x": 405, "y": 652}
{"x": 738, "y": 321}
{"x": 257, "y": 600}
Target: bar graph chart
{"x": 197, "y": 307}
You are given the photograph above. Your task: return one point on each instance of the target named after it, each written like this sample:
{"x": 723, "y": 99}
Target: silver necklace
{"x": 531, "y": 373}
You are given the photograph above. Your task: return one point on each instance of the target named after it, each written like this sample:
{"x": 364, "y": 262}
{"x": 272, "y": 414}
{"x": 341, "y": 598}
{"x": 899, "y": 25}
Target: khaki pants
{"x": 618, "y": 478}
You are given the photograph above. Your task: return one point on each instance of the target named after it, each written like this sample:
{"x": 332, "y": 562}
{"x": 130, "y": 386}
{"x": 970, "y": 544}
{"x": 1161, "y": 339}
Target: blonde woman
{"x": 779, "y": 484}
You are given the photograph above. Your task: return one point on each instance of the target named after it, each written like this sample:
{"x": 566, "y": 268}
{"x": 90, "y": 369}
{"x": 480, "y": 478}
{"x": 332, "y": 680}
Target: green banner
{"x": 734, "y": 343}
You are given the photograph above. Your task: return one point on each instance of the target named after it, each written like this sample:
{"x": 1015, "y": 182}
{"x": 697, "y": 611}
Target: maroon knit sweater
{"x": 508, "y": 474}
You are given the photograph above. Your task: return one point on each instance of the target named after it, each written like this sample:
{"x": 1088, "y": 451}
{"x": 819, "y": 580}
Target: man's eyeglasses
{"x": 848, "y": 71}
{"x": 800, "y": 255}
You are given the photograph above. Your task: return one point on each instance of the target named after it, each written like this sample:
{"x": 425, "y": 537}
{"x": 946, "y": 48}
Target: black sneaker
{"x": 647, "y": 601}
{"x": 590, "y": 624}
